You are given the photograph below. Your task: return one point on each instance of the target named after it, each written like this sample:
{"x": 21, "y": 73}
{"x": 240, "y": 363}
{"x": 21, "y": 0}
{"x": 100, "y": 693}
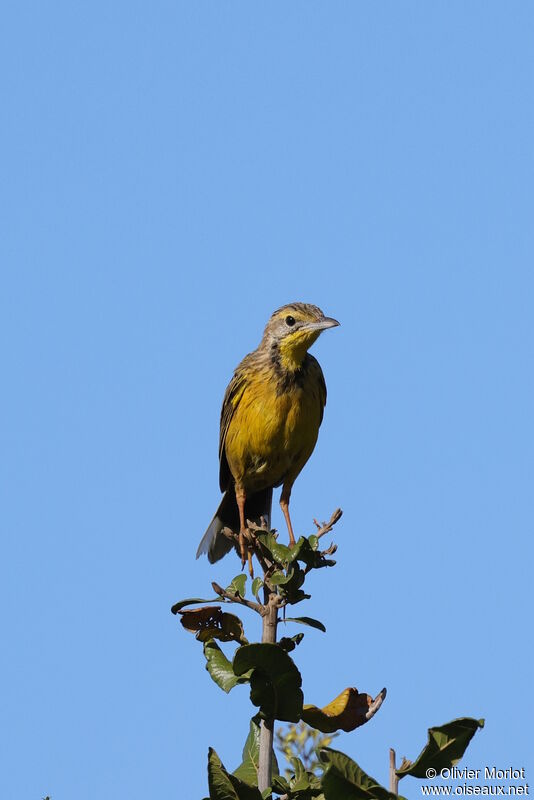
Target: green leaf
{"x": 220, "y": 785}
{"x": 345, "y": 780}
{"x": 296, "y": 597}
{"x": 248, "y": 769}
{"x": 296, "y": 550}
{"x": 306, "y": 550}
{"x": 190, "y": 602}
{"x": 257, "y": 583}
{"x": 220, "y": 668}
{"x": 295, "y": 579}
{"x": 445, "y": 747}
{"x": 224, "y": 786}
{"x": 280, "y": 785}
{"x": 278, "y": 578}
{"x": 244, "y": 791}
{"x": 237, "y": 585}
{"x": 299, "y": 781}
{"x": 279, "y": 553}
{"x": 336, "y": 787}
{"x": 275, "y": 682}
{"x": 313, "y": 623}
{"x": 289, "y": 643}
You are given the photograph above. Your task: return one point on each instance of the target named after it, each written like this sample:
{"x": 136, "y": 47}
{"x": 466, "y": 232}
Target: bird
{"x": 270, "y": 419}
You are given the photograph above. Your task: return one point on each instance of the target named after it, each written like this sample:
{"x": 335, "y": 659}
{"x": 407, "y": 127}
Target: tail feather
{"x": 214, "y": 542}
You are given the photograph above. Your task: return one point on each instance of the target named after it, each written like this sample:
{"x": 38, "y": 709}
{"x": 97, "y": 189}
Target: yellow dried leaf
{"x": 346, "y": 712}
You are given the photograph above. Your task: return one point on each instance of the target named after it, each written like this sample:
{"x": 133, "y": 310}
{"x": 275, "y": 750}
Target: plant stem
{"x": 393, "y": 779}
{"x": 265, "y": 765}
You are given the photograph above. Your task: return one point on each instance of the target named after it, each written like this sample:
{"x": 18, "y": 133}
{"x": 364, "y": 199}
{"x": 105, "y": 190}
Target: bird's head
{"x": 293, "y": 329}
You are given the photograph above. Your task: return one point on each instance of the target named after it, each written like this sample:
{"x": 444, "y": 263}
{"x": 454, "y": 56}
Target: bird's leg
{"x": 284, "y": 505}
{"x": 240, "y": 498}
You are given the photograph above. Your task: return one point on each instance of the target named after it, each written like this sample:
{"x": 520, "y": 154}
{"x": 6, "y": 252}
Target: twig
{"x": 393, "y": 778}
{"x": 264, "y": 564}
{"x": 329, "y": 550}
{"x": 250, "y": 538}
{"x": 326, "y": 527}
{"x": 253, "y": 529}
{"x": 228, "y": 532}
{"x": 236, "y": 598}
{"x": 265, "y": 756}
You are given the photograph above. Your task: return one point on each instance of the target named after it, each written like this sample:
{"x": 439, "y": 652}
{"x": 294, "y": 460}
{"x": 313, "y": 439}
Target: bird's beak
{"x": 322, "y": 325}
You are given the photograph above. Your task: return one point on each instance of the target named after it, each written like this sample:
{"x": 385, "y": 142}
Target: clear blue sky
{"x": 171, "y": 173}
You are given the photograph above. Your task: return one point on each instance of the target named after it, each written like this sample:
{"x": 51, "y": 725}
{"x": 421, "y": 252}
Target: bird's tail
{"x": 214, "y": 542}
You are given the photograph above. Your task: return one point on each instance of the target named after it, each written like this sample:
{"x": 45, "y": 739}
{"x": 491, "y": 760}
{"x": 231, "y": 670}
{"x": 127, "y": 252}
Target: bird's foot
{"x": 246, "y": 549}
{"x": 242, "y": 548}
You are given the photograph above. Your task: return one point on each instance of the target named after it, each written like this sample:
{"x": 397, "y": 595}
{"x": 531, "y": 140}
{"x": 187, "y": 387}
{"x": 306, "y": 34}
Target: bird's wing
{"x": 233, "y": 395}
{"x": 317, "y": 373}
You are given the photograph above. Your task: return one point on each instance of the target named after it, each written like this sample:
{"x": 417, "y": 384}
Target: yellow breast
{"x": 272, "y": 432}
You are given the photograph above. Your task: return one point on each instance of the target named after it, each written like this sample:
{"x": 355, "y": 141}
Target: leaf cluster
{"x": 340, "y": 778}
{"x": 287, "y": 567}
{"x": 274, "y": 679}
{"x": 275, "y": 684}
{"x": 301, "y": 741}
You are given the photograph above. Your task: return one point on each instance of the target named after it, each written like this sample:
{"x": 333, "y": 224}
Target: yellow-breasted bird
{"x": 270, "y": 420}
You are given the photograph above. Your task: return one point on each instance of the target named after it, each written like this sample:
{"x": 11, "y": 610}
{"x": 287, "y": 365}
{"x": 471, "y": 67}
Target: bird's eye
{"x": 290, "y": 321}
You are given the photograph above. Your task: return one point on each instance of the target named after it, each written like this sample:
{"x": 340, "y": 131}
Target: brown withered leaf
{"x": 346, "y": 712}
{"x": 211, "y": 622}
